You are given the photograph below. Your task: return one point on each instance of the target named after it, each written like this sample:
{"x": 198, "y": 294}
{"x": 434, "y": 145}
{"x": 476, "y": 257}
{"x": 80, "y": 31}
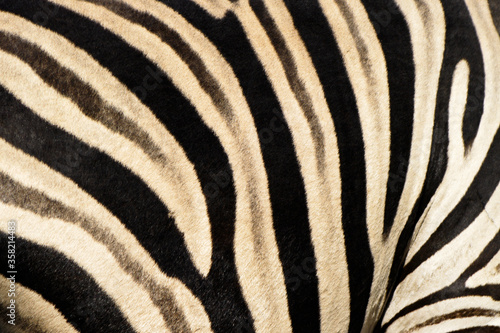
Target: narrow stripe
{"x": 475, "y": 329}
{"x": 456, "y": 109}
{"x": 461, "y": 323}
{"x": 290, "y": 69}
{"x": 464, "y": 313}
{"x": 443, "y": 308}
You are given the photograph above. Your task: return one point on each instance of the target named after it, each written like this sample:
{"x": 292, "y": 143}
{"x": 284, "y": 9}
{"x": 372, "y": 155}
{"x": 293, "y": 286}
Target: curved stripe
{"x": 256, "y": 251}
{"x": 365, "y": 64}
{"x": 460, "y": 323}
{"x": 326, "y": 232}
{"x": 54, "y": 196}
{"x": 442, "y": 309}
{"x": 33, "y": 313}
{"x": 490, "y": 274}
{"x": 458, "y": 177}
{"x": 130, "y": 298}
{"x": 464, "y": 313}
{"x": 23, "y": 82}
{"x": 458, "y": 101}
{"x": 426, "y": 23}
{"x": 447, "y": 264}
{"x": 120, "y": 111}
{"x": 322, "y": 189}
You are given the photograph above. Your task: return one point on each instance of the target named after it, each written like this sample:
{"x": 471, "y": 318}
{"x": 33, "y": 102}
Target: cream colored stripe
{"x": 490, "y": 274}
{"x": 49, "y": 104}
{"x": 131, "y": 298}
{"x": 256, "y": 251}
{"x": 460, "y": 324}
{"x": 458, "y": 177}
{"x": 326, "y": 232}
{"x": 447, "y": 264}
{"x": 440, "y": 309}
{"x": 427, "y": 26}
{"x": 33, "y": 312}
{"x": 323, "y": 216}
{"x": 32, "y": 173}
{"x": 456, "y": 109}
{"x": 178, "y": 186}
{"x": 365, "y": 64}
{"x": 366, "y": 67}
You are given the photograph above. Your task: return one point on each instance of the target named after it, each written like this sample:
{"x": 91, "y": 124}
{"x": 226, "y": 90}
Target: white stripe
{"x": 440, "y": 309}
{"x": 131, "y": 298}
{"x": 447, "y": 264}
{"x": 175, "y": 182}
{"x": 256, "y": 252}
{"x": 326, "y": 233}
{"x": 33, "y": 312}
{"x": 30, "y": 172}
{"x": 456, "y": 109}
{"x": 458, "y": 177}
{"x": 458, "y": 324}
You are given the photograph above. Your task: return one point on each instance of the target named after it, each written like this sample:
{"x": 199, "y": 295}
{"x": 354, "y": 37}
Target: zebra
{"x": 250, "y": 165}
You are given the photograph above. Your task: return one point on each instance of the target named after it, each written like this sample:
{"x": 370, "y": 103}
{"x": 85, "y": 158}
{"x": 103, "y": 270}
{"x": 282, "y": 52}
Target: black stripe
{"x": 107, "y": 181}
{"x": 470, "y": 206}
{"x": 75, "y": 293}
{"x": 318, "y": 38}
{"x": 462, "y": 313}
{"x": 284, "y": 178}
{"x": 292, "y": 75}
{"x": 394, "y": 36}
{"x": 461, "y": 43}
{"x": 457, "y": 289}
{"x": 220, "y": 292}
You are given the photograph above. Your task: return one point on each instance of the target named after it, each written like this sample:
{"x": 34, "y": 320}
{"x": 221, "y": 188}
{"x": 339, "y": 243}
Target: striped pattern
{"x": 240, "y": 166}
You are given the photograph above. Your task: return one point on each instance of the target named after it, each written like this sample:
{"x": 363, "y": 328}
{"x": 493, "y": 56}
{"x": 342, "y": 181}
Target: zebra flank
{"x": 249, "y": 166}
